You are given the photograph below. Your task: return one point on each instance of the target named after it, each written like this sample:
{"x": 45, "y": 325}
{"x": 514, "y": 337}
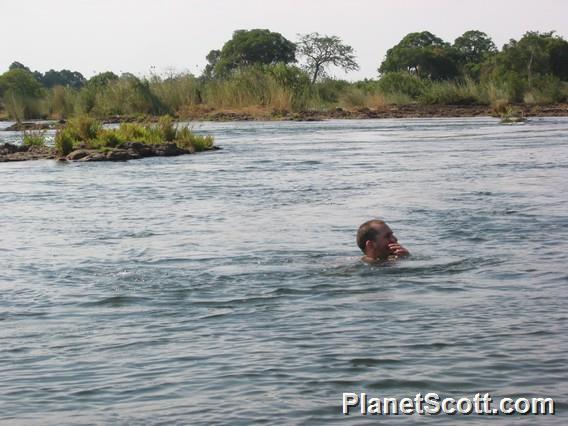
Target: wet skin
{"x": 385, "y": 245}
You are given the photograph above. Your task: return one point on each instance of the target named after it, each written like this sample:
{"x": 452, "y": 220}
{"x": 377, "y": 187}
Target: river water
{"x": 226, "y": 287}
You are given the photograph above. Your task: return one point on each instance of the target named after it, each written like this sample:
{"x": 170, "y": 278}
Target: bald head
{"x": 368, "y": 231}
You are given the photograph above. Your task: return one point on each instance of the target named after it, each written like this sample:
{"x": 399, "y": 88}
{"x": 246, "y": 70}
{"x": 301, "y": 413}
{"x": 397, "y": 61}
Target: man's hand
{"x": 398, "y": 250}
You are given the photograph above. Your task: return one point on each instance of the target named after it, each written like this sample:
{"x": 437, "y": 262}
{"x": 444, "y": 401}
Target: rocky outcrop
{"x": 44, "y": 125}
{"x": 10, "y": 152}
{"x": 123, "y": 152}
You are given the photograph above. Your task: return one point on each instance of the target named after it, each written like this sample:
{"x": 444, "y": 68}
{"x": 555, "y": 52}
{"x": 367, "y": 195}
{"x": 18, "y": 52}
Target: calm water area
{"x": 227, "y": 288}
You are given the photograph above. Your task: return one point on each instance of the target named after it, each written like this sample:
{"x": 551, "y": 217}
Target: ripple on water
{"x": 158, "y": 291}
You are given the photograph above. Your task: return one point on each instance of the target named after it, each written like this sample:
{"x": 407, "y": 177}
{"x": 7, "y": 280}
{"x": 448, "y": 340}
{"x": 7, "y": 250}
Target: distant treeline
{"x": 259, "y": 69}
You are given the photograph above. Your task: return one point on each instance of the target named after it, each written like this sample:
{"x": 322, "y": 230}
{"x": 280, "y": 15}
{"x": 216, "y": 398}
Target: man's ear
{"x": 369, "y": 245}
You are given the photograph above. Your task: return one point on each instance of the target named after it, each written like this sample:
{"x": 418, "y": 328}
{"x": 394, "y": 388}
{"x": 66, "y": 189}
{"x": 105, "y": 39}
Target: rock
{"x": 124, "y": 152}
{"x": 79, "y": 154}
{"x": 9, "y": 148}
{"x": 169, "y": 149}
{"x": 94, "y": 156}
{"x": 11, "y": 152}
{"x": 121, "y": 155}
{"x": 139, "y": 148}
{"x": 18, "y": 127}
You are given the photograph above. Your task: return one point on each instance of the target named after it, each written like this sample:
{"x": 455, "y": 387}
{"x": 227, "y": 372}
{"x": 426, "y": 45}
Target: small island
{"x": 85, "y": 139}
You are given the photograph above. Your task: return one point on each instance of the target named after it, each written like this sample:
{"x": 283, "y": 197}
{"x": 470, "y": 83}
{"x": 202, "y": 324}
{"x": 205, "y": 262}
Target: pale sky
{"x": 140, "y": 36}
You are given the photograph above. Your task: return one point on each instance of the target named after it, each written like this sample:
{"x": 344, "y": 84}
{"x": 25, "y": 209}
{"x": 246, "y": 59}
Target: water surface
{"x": 226, "y": 287}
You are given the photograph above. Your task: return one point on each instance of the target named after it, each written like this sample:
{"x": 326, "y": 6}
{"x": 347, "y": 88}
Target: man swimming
{"x": 377, "y": 242}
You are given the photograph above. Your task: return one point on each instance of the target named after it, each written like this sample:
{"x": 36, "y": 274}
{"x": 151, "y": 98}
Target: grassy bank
{"x": 270, "y": 92}
{"x": 84, "y": 132}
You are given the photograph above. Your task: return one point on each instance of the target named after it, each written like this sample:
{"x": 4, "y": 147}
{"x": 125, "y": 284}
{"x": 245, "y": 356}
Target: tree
{"x": 101, "y": 80}
{"x": 20, "y": 82}
{"x": 212, "y": 59}
{"x": 535, "y": 54}
{"x": 424, "y": 55}
{"x": 252, "y": 47}
{"x": 20, "y": 92}
{"x": 64, "y": 78}
{"x": 322, "y": 51}
{"x": 474, "y": 48}
{"x": 18, "y": 66}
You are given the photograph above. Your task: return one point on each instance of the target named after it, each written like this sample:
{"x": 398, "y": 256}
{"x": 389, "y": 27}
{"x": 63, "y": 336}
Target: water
{"x": 226, "y": 287}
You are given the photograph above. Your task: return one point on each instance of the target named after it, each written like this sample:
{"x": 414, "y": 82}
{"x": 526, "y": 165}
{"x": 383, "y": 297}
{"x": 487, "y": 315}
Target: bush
{"x": 64, "y": 141}
{"x": 166, "y": 127}
{"x": 34, "y": 138}
{"x": 176, "y": 93}
{"x": 186, "y": 139}
{"x": 61, "y": 102}
{"x": 448, "y": 93}
{"x": 83, "y": 128}
{"x": 401, "y": 83}
{"x": 545, "y": 89}
{"x": 330, "y": 90}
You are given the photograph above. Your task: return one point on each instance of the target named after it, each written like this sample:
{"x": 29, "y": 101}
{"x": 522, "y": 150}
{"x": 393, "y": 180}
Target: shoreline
{"x": 124, "y": 152}
{"x": 387, "y": 111}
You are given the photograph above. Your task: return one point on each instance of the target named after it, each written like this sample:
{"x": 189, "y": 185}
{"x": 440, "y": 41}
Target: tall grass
{"x": 127, "y": 96}
{"x": 62, "y": 102}
{"x": 21, "y": 107}
{"x": 176, "y": 92}
{"x": 274, "y": 89}
{"x": 86, "y": 132}
{"x": 34, "y": 137}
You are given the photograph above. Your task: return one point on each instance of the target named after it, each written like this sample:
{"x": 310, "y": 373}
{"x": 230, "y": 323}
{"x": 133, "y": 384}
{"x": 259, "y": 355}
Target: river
{"x": 226, "y": 287}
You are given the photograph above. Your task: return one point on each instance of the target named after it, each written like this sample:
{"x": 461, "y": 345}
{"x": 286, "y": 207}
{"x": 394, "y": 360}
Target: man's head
{"x": 374, "y": 238}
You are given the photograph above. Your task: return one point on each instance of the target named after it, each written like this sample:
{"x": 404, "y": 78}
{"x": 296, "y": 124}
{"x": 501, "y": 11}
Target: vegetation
{"x": 256, "y": 71}
{"x": 250, "y": 48}
{"x": 34, "y": 138}
{"x": 322, "y": 51}
{"x": 86, "y": 132}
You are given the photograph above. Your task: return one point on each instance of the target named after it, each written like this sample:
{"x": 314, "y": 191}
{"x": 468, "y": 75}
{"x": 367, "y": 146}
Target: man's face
{"x": 384, "y": 239}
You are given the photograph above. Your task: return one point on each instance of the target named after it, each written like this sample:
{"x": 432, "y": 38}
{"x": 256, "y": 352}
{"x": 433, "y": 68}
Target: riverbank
{"x": 203, "y": 113}
{"x": 124, "y": 152}
{"x": 387, "y": 111}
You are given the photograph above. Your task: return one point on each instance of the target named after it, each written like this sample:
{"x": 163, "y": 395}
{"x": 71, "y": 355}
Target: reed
{"x": 87, "y": 132}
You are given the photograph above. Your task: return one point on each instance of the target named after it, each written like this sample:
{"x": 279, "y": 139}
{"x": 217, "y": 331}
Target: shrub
{"x": 64, "y": 141}
{"x": 447, "y": 93}
{"x": 83, "y": 128}
{"x": 166, "y": 127}
{"x": 401, "y": 83}
{"x": 34, "y": 138}
{"x": 176, "y": 92}
{"x": 61, "y": 102}
{"x": 186, "y": 139}
{"x": 545, "y": 89}
{"x": 109, "y": 138}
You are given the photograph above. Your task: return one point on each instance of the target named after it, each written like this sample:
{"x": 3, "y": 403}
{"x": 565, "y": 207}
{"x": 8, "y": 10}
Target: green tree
{"x": 253, "y": 47}
{"x": 101, "y": 80}
{"x": 21, "y": 82}
{"x": 19, "y": 66}
{"x": 322, "y": 51}
{"x": 424, "y": 55}
{"x": 95, "y": 85}
{"x": 474, "y": 48}
{"x": 212, "y": 59}
{"x": 63, "y": 78}
{"x": 20, "y": 93}
{"x": 535, "y": 54}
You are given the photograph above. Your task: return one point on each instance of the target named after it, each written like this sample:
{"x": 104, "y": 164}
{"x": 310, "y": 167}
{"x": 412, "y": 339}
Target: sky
{"x": 165, "y": 36}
